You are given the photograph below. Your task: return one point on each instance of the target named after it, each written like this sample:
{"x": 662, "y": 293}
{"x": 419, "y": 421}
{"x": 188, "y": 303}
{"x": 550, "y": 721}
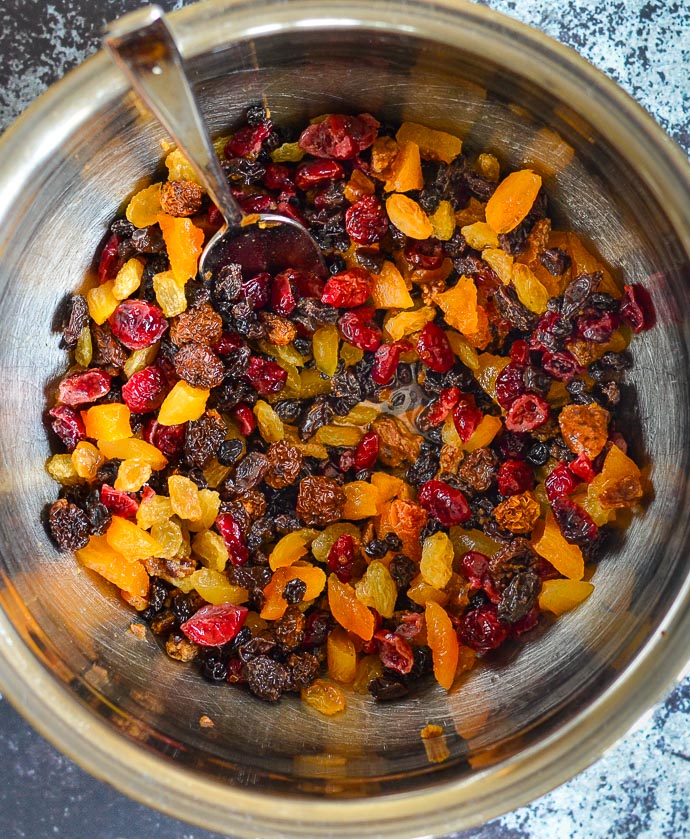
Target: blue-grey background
{"x": 641, "y": 788}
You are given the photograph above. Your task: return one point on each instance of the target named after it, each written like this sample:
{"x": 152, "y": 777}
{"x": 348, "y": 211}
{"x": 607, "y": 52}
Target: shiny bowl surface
{"x": 519, "y": 725}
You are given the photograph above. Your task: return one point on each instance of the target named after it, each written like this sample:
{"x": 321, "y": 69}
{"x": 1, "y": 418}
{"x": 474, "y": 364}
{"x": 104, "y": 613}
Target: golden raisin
{"x": 519, "y": 513}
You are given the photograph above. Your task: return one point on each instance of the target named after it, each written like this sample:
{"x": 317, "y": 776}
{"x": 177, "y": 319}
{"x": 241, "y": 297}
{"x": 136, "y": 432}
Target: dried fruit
{"x": 347, "y": 288}
{"x": 341, "y": 656}
{"x": 444, "y": 502}
{"x": 183, "y": 404}
{"x": 320, "y": 501}
{"x": 443, "y": 642}
{"x": 584, "y": 428}
{"x": 560, "y": 596}
{"x": 183, "y": 241}
{"x": 519, "y": 513}
{"x": 348, "y": 611}
{"x": 512, "y": 200}
{"x": 436, "y": 565}
{"x": 339, "y": 136}
{"x": 408, "y": 217}
{"x": 377, "y": 589}
{"x": 137, "y": 323}
{"x": 324, "y": 698}
{"x": 434, "y": 348}
{"x": 69, "y": 525}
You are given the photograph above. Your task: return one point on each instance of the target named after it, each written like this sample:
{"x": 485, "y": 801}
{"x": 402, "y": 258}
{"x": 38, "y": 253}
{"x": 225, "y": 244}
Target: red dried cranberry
{"x": 510, "y": 384}
{"x": 236, "y": 675}
{"x": 287, "y": 208}
{"x": 411, "y": 626}
{"x": 466, "y": 416}
{"x": 396, "y": 654}
{"x": 168, "y": 439}
{"x": 308, "y": 284}
{"x": 444, "y": 502}
{"x": 527, "y": 412}
{"x": 367, "y": 451}
{"x": 257, "y": 290}
{"x": 347, "y": 288}
{"x": 386, "y": 361}
{"x": 597, "y": 327}
{"x": 530, "y": 620}
{"x": 233, "y": 537}
{"x": 475, "y": 568}
{"x": 426, "y": 254}
{"x": 514, "y": 477}
{"x": 244, "y": 417}
{"x": 366, "y": 221}
{"x": 583, "y": 468}
{"x": 68, "y": 426}
{"x": 215, "y": 217}
{"x": 145, "y": 391}
{"x": 107, "y": 265}
{"x": 119, "y": 503}
{"x": 636, "y": 308}
{"x": 433, "y": 347}
{"x": 519, "y": 352}
{"x": 513, "y": 446}
{"x": 316, "y": 628}
{"x": 436, "y": 413}
{"x": 550, "y": 329}
{"x": 355, "y": 330}
{"x": 560, "y": 365}
{"x": 278, "y": 176}
{"x": 313, "y": 172}
{"x": 346, "y": 460}
{"x": 215, "y": 625}
{"x": 137, "y": 324}
{"x": 341, "y": 557}
{"x": 227, "y": 343}
{"x": 83, "y": 388}
{"x": 576, "y": 524}
{"x": 482, "y": 630}
{"x": 248, "y": 140}
{"x": 339, "y": 136}
{"x": 560, "y": 481}
{"x": 257, "y": 203}
{"x": 283, "y": 299}
{"x": 266, "y": 376}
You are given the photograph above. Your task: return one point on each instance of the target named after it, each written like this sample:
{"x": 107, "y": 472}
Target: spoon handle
{"x": 144, "y": 48}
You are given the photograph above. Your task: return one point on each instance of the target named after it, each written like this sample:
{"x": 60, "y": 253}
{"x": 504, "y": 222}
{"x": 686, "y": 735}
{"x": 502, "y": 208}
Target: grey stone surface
{"x": 640, "y": 788}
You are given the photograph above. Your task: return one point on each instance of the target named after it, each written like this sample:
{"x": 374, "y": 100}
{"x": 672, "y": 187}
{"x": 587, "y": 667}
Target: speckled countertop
{"x": 641, "y": 788}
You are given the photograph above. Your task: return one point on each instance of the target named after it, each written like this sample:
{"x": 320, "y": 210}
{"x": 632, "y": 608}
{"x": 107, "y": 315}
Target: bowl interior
{"x": 79, "y": 628}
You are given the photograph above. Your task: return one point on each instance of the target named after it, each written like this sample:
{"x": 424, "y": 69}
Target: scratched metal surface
{"x": 640, "y": 787}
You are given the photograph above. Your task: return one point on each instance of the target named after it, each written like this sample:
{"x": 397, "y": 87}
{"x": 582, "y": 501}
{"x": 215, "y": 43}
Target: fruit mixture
{"x": 315, "y": 485}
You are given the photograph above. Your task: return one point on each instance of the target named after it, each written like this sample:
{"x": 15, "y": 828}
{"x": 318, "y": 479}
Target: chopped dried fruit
{"x": 560, "y": 596}
{"x": 512, "y": 200}
{"x": 584, "y": 428}
{"x": 436, "y": 565}
{"x": 519, "y": 513}
{"x": 107, "y": 422}
{"x": 131, "y": 541}
{"x": 378, "y": 589}
{"x": 213, "y": 626}
{"x": 184, "y": 242}
{"x": 183, "y": 404}
{"x": 408, "y": 217}
{"x": 443, "y": 642}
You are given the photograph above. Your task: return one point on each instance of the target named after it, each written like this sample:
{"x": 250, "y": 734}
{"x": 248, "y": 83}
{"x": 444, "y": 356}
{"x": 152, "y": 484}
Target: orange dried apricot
{"x": 619, "y": 483}
{"x": 131, "y": 541}
{"x": 362, "y": 500}
{"x": 406, "y": 519}
{"x": 184, "y": 243}
{"x": 347, "y": 610}
{"x": 389, "y": 290}
{"x": 585, "y": 428}
{"x": 433, "y": 144}
{"x": 183, "y": 404}
{"x": 100, "y": 557}
{"x": 131, "y": 448}
{"x": 108, "y": 422}
{"x": 405, "y": 172}
{"x": 459, "y": 305}
{"x": 443, "y": 642}
{"x": 341, "y": 656}
{"x": 548, "y": 541}
{"x": 559, "y": 596}
{"x": 408, "y": 216}
{"x": 512, "y": 200}
{"x": 288, "y": 550}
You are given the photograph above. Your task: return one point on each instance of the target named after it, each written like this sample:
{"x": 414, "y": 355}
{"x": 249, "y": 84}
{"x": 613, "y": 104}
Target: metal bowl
{"x": 518, "y": 726}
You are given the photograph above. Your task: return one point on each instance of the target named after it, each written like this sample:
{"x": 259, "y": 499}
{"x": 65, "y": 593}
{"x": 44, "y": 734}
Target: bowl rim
{"x": 451, "y": 805}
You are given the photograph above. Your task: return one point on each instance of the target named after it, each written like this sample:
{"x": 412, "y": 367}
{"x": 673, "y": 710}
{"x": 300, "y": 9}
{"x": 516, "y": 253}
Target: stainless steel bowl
{"x": 517, "y": 727}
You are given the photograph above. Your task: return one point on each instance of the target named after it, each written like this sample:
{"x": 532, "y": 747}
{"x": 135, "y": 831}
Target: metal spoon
{"x": 144, "y": 48}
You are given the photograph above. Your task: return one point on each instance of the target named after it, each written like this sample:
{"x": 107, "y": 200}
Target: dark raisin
{"x": 316, "y": 415}
{"x": 78, "y": 319}
{"x": 478, "y": 469}
{"x": 535, "y": 380}
{"x": 320, "y": 501}
{"x": 255, "y": 647}
{"x": 512, "y": 309}
{"x": 403, "y": 570}
{"x": 433, "y": 525}
{"x": 393, "y": 542}
{"x": 519, "y": 596}
{"x": 203, "y": 438}
{"x": 229, "y": 452}
{"x": 608, "y": 393}
{"x": 311, "y": 314}
{"x": 69, "y": 525}
{"x": 376, "y": 548}
{"x": 250, "y": 472}
{"x": 266, "y": 678}
{"x": 285, "y": 464}
{"x": 577, "y": 292}
{"x": 214, "y": 668}
{"x": 107, "y": 350}
{"x": 149, "y": 240}
{"x": 386, "y": 688}
{"x": 294, "y": 590}
{"x": 289, "y": 630}
{"x": 288, "y": 409}
{"x": 425, "y": 467}
{"x": 302, "y": 670}
{"x": 538, "y": 454}
{"x": 555, "y": 260}
{"x": 98, "y": 514}
{"x": 243, "y": 171}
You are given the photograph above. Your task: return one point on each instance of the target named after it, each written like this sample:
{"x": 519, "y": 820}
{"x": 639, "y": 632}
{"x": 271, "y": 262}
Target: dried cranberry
{"x": 227, "y": 343}
{"x": 514, "y": 446}
{"x": 367, "y": 451}
{"x": 145, "y": 390}
{"x": 244, "y": 417}
{"x": 466, "y": 416}
{"x": 266, "y": 376}
{"x": 394, "y": 651}
{"x": 636, "y": 308}
{"x": 313, "y": 172}
{"x": 233, "y": 537}
{"x": 560, "y": 481}
{"x": 575, "y": 523}
{"x": 597, "y": 327}
{"x": 411, "y": 626}
{"x": 287, "y": 208}
{"x": 510, "y": 384}
{"x": 339, "y": 136}
{"x": 316, "y": 629}
{"x": 475, "y": 568}
{"x": 355, "y": 330}
{"x": 283, "y": 300}
{"x": 560, "y": 365}
{"x": 366, "y": 221}
{"x": 347, "y": 289}
{"x": 248, "y": 140}
{"x": 137, "y": 324}
{"x": 482, "y": 630}
{"x": 519, "y": 352}
{"x": 426, "y": 254}
{"x": 527, "y": 412}
{"x": 107, "y": 264}
{"x": 119, "y": 503}
{"x": 529, "y": 621}
{"x": 215, "y": 625}
{"x": 444, "y": 502}
{"x": 436, "y": 413}
{"x": 386, "y": 361}
{"x": 308, "y": 284}
{"x": 341, "y": 557}
{"x": 550, "y": 332}
{"x": 583, "y": 468}
{"x": 68, "y": 426}
{"x": 433, "y": 347}
{"x": 257, "y": 290}
{"x": 83, "y": 388}
{"x": 167, "y": 438}
{"x": 278, "y": 176}
{"x": 514, "y": 477}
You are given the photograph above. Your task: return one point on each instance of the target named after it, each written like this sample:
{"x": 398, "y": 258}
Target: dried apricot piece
{"x": 512, "y": 200}
{"x": 422, "y": 593}
{"x": 389, "y": 290}
{"x": 619, "y": 482}
{"x": 585, "y": 428}
{"x": 566, "y": 558}
{"x": 408, "y": 216}
{"x": 362, "y": 500}
{"x": 443, "y": 642}
{"x": 405, "y": 323}
{"x": 184, "y": 243}
{"x": 107, "y": 422}
{"x": 459, "y": 305}
{"x": 275, "y": 605}
{"x": 559, "y": 596}
{"x": 131, "y": 448}
{"x": 144, "y": 206}
{"x": 347, "y": 609}
{"x": 131, "y": 541}
{"x": 100, "y": 557}
{"x": 288, "y": 550}
{"x": 341, "y": 656}
{"x": 405, "y": 172}
{"x": 433, "y": 144}
{"x": 184, "y": 403}
{"x": 388, "y": 486}
{"x": 406, "y": 519}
